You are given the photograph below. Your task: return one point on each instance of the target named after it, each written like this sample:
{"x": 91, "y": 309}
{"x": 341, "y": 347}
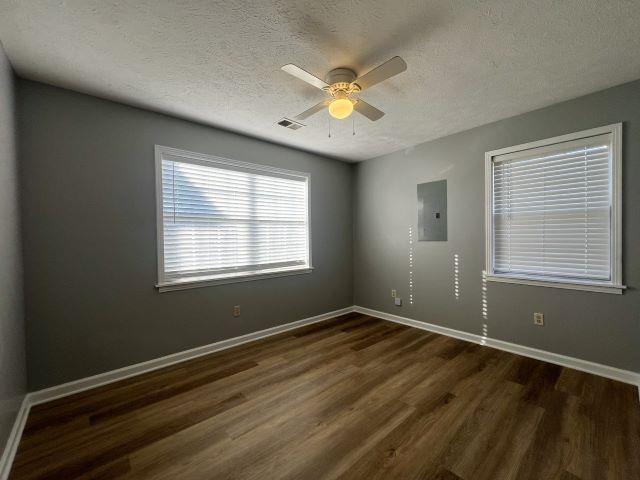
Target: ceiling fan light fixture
{"x": 341, "y": 83}
{"x": 341, "y": 108}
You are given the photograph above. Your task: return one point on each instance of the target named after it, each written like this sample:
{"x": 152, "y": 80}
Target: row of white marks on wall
{"x": 456, "y": 276}
{"x": 485, "y": 313}
{"x": 410, "y": 265}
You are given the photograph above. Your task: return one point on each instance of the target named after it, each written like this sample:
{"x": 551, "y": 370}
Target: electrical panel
{"x": 432, "y": 211}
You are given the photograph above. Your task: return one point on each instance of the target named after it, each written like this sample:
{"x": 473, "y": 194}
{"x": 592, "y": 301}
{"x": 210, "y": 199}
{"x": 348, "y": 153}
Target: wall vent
{"x": 290, "y": 124}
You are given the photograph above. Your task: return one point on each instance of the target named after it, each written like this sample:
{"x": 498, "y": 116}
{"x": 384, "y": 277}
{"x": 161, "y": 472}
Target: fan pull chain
{"x": 353, "y": 125}
{"x": 329, "y": 126}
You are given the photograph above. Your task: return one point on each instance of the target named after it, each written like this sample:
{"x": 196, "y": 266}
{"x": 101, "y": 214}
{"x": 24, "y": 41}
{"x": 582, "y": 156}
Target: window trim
{"x": 615, "y": 285}
{"x": 163, "y": 285}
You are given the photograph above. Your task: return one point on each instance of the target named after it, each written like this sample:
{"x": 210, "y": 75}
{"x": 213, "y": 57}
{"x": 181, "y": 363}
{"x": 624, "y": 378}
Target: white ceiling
{"x": 218, "y": 62}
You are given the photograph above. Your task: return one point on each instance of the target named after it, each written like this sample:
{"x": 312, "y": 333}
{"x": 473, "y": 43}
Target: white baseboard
{"x": 87, "y": 383}
{"x": 625, "y": 376}
{"x": 80, "y": 385}
{"x": 76, "y": 386}
{"x": 94, "y": 381}
{"x": 11, "y": 447}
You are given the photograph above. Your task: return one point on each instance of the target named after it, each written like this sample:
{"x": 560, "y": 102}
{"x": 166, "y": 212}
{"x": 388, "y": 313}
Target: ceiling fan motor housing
{"x": 340, "y": 83}
{"x": 340, "y": 75}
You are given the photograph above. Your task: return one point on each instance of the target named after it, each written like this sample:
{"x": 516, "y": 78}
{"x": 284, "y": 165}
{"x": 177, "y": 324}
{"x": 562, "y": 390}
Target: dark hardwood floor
{"x": 349, "y": 398}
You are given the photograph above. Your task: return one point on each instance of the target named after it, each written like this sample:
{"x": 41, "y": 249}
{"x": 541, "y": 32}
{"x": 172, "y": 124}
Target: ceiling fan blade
{"x": 369, "y": 111}
{"x": 305, "y": 76}
{"x": 310, "y": 111}
{"x": 379, "y": 74}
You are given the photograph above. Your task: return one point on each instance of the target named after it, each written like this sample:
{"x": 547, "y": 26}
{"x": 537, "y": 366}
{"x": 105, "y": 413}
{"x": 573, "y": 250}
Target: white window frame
{"x": 163, "y": 285}
{"x": 615, "y": 284}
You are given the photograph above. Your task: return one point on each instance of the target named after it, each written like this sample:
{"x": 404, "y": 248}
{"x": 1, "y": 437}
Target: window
{"x": 553, "y": 212}
{"x": 222, "y": 221}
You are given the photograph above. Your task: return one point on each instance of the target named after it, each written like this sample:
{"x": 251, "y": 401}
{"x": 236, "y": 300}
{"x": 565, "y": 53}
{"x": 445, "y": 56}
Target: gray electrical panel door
{"x": 432, "y": 211}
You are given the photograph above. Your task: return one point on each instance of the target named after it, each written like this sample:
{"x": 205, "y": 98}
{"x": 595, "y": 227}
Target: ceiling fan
{"x": 343, "y": 86}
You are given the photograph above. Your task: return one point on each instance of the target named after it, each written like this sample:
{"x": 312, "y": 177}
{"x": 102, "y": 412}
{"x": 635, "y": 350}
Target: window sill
{"x": 212, "y": 281}
{"x": 585, "y": 286}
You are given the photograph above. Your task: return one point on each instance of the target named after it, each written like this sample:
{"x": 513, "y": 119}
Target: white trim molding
{"x": 77, "y": 386}
{"x": 590, "y": 287}
{"x": 11, "y": 447}
{"x": 208, "y": 282}
{"x": 94, "y": 381}
{"x": 625, "y": 376}
{"x": 614, "y": 284}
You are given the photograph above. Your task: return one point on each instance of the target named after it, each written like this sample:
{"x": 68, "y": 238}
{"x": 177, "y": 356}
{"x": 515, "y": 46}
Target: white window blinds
{"x": 552, "y": 211}
{"x": 223, "y": 220}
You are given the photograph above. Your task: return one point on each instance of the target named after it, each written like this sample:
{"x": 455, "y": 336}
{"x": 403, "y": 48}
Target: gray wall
{"x": 12, "y": 356}
{"x": 89, "y": 234}
{"x": 90, "y": 238}
{"x": 598, "y": 327}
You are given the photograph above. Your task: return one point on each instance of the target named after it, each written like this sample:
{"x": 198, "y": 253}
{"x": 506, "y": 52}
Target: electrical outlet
{"x": 538, "y": 319}
{"x": 236, "y": 310}
{"x": 393, "y": 293}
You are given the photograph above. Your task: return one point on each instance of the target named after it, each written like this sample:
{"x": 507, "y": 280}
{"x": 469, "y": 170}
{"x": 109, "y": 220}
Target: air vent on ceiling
{"x": 290, "y": 124}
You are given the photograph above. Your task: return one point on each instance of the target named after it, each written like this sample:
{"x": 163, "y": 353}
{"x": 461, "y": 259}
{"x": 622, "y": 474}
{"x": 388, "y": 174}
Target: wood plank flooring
{"x": 350, "y": 398}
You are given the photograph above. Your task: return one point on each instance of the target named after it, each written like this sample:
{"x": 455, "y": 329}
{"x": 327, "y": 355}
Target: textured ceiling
{"x": 218, "y": 62}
